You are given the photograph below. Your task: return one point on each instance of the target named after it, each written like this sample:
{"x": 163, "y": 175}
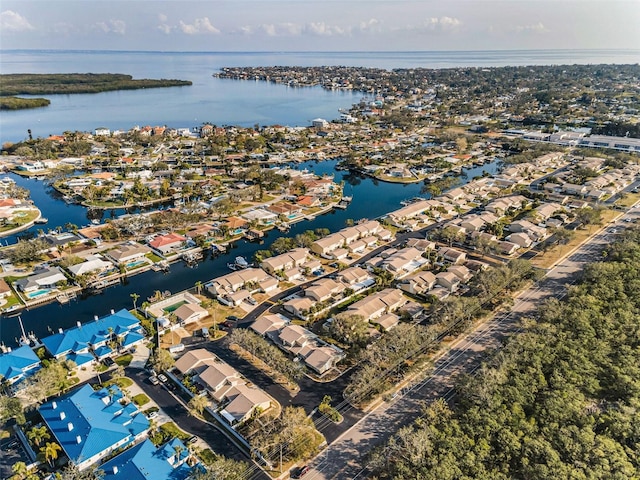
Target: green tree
{"x": 197, "y": 404}
{"x": 38, "y": 434}
{"x": 135, "y": 298}
{"x": 50, "y": 452}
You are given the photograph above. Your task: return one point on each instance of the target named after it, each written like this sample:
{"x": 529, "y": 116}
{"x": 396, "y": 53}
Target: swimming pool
{"x": 39, "y": 293}
{"x": 174, "y": 307}
{"x": 137, "y": 263}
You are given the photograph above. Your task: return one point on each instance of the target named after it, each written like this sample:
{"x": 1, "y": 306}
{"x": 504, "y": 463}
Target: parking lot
{"x": 11, "y": 452}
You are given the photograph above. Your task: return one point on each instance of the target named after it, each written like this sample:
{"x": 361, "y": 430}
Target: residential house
{"x": 462, "y": 272}
{"x": 92, "y": 264}
{"x": 127, "y": 252}
{"x": 299, "y": 306}
{"x": 418, "y": 283}
{"x": 189, "y": 313}
{"x": 387, "y": 321}
{"x": 324, "y": 246}
{"x": 261, "y": 216}
{"x": 268, "y": 324}
{"x": 42, "y": 278}
{"x": 18, "y": 364}
{"x": 77, "y": 343}
{"x": 374, "y": 306}
{"x": 405, "y": 261}
{"x": 448, "y": 280}
{"x": 5, "y": 289}
{"x": 521, "y": 239}
{"x": 285, "y": 261}
{"x": 354, "y": 276}
{"x": 167, "y": 243}
{"x": 89, "y": 425}
{"x": 237, "y": 280}
{"x": 508, "y": 248}
{"x": 324, "y": 289}
{"x": 452, "y": 255}
{"x": 323, "y": 358}
{"x": 145, "y": 460}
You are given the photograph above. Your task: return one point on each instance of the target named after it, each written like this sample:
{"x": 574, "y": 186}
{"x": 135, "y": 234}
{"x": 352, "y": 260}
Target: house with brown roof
{"x": 324, "y": 289}
{"x": 418, "y": 283}
{"x": 285, "y": 261}
{"x": 190, "y": 312}
{"x": 127, "y": 252}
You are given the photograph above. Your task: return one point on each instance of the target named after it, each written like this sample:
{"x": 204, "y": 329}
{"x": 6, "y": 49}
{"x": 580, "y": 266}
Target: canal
{"x": 371, "y": 199}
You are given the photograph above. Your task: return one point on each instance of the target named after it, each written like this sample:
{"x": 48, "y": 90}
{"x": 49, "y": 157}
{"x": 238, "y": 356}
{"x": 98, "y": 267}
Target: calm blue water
{"x": 371, "y": 199}
{"x": 227, "y": 102}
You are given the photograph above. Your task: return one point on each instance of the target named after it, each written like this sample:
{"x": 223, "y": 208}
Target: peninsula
{"x": 65, "y": 83}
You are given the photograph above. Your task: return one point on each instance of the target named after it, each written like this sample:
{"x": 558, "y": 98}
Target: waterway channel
{"x": 371, "y": 199}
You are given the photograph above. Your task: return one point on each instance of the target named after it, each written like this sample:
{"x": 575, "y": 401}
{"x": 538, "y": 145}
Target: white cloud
{"x": 11, "y": 21}
{"x": 199, "y": 26}
{"x": 117, "y": 27}
{"x": 162, "y": 18}
{"x": 166, "y": 29}
{"x": 534, "y": 28}
{"x": 371, "y": 25}
{"x": 442, "y": 23}
{"x": 325, "y": 30}
{"x": 287, "y": 29}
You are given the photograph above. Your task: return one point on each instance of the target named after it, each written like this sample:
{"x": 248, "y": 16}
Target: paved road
{"x": 345, "y": 458}
{"x": 218, "y": 442}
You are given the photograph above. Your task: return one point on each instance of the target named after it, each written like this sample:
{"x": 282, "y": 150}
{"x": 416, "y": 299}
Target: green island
{"x": 65, "y": 83}
{"x": 17, "y": 103}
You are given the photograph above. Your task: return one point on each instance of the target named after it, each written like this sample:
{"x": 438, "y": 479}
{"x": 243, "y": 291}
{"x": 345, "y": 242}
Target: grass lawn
{"x": 153, "y": 257}
{"x": 207, "y": 456}
{"x": 550, "y": 258}
{"x": 628, "y": 200}
{"x": 124, "y": 360}
{"x": 172, "y": 429}
{"x": 122, "y": 382}
{"x": 140, "y": 399}
{"x": 11, "y": 300}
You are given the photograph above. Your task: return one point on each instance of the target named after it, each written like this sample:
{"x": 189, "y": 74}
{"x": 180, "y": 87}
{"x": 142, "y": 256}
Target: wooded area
{"x": 55, "y": 83}
{"x": 561, "y": 400}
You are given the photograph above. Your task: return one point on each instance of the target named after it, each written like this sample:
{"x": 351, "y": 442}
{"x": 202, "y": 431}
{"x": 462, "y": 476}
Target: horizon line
{"x": 622, "y": 49}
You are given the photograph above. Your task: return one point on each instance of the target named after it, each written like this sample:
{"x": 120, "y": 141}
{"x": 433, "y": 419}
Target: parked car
{"x": 233, "y": 318}
{"x": 162, "y": 377}
{"x": 301, "y": 472}
{"x": 154, "y": 380}
{"x": 192, "y": 439}
{"x": 153, "y": 414}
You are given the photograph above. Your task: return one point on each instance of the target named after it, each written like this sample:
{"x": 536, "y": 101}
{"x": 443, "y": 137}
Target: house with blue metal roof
{"x": 89, "y": 424}
{"x": 18, "y": 364}
{"x": 85, "y": 341}
{"x": 145, "y": 461}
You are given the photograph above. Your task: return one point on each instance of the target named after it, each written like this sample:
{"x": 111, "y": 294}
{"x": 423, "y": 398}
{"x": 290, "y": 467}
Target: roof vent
{"x": 78, "y": 439}
{"x": 63, "y": 415}
{"x": 54, "y": 404}
{"x": 60, "y": 330}
{"x": 79, "y": 324}
{"x": 115, "y": 469}
{"x": 70, "y": 426}
{"x": 95, "y": 317}
{"x": 113, "y": 311}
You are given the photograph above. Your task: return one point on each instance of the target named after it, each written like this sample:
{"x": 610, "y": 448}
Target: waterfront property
{"x": 18, "y": 364}
{"x": 89, "y": 424}
{"x": 42, "y": 278}
{"x": 86, "y": 342}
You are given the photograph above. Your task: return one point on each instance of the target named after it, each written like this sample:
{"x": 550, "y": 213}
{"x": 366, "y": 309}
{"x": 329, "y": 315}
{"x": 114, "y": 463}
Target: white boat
{"x": 241, "y": 262}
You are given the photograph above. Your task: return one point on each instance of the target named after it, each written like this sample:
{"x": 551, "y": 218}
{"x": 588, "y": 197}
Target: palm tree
{"x": 197, "y": 404}
{"x": 19, "y": 470}
{"x": 145, "y": 307}
{"x": 50, "y": 451}
{"x": 198, "y": 286}
{"x": 38, "y": 434}
{"x": 135, "y": 297}
{"x": 178, "y": 449}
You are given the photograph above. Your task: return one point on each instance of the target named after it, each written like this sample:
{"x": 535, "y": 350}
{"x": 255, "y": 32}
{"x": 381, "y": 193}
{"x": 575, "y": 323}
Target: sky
{"x": 325, "y": 25}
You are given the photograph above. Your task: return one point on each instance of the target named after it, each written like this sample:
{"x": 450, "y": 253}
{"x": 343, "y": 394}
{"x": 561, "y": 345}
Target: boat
{"x": 41, "y": 220}
{"x": 241, "y": 262}
{"x": 95, "y": 221}
{"x": 192, "y": 257}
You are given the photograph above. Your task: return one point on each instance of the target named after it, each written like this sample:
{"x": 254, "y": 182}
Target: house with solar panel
{"x": 16, "y": 365}
{"x": 146, "y": 461}
{"x": 89, "y": 425}
{"x": 90, "y": 342}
